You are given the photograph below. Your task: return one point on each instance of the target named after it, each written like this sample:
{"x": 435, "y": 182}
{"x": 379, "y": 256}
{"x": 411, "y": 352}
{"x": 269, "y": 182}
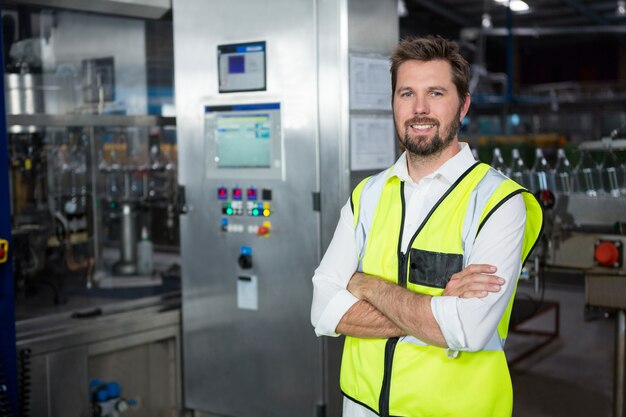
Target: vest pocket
{"x": 433, "y": 269}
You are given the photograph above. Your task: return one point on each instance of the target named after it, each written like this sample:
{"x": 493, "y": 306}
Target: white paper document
{"x": 370, "y": 83}
{"x": 371, "y": 143}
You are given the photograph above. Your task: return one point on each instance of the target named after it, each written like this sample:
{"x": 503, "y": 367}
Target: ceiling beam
{"x": 578, "y": 5}
{"x": 436, "y": 7}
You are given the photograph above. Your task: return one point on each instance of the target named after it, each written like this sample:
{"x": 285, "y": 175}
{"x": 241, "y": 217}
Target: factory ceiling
{"x": 604, "y": 15}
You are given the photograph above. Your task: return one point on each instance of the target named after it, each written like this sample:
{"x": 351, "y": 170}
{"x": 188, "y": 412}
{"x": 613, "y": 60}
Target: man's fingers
{"x": 474, "y": 269}
{"x": 474, "y": 294}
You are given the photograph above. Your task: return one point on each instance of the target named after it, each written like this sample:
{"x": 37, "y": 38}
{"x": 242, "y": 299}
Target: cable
{"x": 24, "y": 381}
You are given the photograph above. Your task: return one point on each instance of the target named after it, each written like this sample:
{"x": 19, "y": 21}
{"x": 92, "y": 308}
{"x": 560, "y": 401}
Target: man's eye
{"x": 436, "y": 94}
{"x": 406, "y": 94}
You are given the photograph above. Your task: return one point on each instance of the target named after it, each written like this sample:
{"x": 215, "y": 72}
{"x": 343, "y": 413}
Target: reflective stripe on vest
{"x": 404, "y": 376}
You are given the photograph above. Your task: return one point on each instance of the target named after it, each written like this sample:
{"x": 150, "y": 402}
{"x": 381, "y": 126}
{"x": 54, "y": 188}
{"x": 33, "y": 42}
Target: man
{"x": 409, "y": 275}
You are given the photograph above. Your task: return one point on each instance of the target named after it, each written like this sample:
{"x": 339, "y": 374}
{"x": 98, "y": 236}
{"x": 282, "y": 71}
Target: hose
{"x": 24, "y": 381}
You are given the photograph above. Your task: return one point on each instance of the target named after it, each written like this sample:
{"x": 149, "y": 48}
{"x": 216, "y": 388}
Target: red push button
{"x": 606, "y": 254}
{"x": 4, "y": 251}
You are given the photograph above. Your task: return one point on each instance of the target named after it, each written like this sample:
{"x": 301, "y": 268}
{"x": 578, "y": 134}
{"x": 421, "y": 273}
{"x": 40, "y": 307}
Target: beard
{"x": 422, "y": 145}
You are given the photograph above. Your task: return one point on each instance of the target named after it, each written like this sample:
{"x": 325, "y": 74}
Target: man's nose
{"x": 420, "y": 106}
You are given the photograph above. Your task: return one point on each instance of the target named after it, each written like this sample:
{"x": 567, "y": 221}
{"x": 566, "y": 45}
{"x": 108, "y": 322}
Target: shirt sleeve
{"x": 468, "y": 324}
{"x": 331, "y": 299}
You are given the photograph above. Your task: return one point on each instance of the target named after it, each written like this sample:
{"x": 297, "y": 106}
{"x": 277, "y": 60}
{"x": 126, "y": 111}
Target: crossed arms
{"x": 465, "y": 318}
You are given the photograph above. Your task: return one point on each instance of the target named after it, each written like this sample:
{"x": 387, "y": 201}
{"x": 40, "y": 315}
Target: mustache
{"x": 422, "y": 121}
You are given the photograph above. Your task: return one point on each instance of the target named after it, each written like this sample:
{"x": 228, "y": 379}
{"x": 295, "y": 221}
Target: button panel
{"x": 249, "y": 203}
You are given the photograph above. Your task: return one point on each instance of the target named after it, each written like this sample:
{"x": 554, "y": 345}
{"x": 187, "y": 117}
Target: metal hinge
{"x": 320, "y": 410}
{"x": 181, "y": 204}
{"x": 317, "y": 201}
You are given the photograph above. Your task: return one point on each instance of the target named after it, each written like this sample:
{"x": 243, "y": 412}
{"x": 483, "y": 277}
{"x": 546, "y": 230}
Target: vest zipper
{"x": 390, "y": 346}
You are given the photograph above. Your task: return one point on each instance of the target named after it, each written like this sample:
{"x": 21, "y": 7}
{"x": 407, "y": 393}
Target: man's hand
{"x": 475, "y": 281}
{"x": 358, "y": 284}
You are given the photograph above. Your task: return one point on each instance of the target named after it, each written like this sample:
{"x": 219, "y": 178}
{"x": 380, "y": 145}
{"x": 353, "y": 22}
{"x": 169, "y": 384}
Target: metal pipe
{"x": 127, "y": 265}
{"x": 474, "y": 33}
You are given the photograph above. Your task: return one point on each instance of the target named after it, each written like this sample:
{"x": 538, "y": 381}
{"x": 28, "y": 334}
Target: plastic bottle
{"x": 497, "y": 162}
{"x": 587, "y": 175}
{"x": 540, "y": 172}
{"x": 145, "y": 263}
{"x": 518, "y": 170}
{"x": 612, "y": 175}
{"x": 562, "y": 174}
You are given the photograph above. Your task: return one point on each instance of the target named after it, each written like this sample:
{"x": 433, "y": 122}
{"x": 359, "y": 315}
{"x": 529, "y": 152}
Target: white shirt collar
{"x": 450, "y": 171}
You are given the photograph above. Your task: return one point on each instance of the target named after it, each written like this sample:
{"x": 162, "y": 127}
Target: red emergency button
{"x": 4, "y": 251}
{"x": 263, "y": 231}
{"x": 606, "y": 254}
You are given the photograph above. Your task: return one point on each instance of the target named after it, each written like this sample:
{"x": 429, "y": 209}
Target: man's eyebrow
{"x": 437, "y": 87}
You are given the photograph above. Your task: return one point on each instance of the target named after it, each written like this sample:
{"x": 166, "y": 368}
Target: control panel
{"x": 245, "y": 210}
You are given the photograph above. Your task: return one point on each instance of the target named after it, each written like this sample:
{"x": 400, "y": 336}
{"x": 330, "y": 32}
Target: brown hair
{"x": 431, "y": 48}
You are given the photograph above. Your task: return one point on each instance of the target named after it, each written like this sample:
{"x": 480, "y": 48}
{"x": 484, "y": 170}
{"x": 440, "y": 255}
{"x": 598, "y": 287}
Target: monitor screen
{"x": 243, "y": 141}
{"x": 243, "y": 137}
{"x": 241, "y": 67}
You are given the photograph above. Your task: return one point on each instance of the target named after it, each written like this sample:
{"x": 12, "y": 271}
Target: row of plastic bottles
{"x": 587, "y": 177}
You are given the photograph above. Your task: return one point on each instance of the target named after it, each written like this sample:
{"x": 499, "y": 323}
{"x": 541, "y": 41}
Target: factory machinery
{"x": 584, "y": 232}
{"x": 282, "y": 108}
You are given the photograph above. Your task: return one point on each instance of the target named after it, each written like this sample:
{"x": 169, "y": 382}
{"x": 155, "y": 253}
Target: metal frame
{"x": 8, "y": 371}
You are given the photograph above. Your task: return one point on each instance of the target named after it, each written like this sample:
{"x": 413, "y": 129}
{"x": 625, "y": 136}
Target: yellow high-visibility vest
{"x": 404, "y": 376}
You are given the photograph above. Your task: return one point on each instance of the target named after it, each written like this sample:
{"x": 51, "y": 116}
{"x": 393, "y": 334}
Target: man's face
{"x": 426, "y": 106}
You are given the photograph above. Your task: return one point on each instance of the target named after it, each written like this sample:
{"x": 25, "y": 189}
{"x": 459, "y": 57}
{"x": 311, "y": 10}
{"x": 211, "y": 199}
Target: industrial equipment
{"x": 282, "y": 107}
{"x": 88, "y": 169}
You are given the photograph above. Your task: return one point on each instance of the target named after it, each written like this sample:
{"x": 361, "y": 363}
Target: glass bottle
{"x": 497, "y": 162}
{"x": 587, "y": 175}
{"x": 612, "y": 175}
{"x": 562, "y": 174}
{"x": 540, "y": 172}
{"x": 518, "y": 170}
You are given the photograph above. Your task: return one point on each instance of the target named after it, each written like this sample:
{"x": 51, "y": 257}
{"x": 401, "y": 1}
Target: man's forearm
{"x": 408, "y": 311}
{"x": 364, "y": 320}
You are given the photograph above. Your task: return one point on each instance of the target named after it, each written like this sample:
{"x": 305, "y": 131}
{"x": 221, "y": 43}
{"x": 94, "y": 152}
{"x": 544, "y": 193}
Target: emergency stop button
{"x": 4, "y": 251}
{"x": 608, "y": 253}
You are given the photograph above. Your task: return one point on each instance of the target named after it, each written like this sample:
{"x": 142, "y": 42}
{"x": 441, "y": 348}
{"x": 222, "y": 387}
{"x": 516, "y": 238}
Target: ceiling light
{"x": 486, "y": 21}
{"x": 518, "y": 6}
{"x": 515, "y": 5}
{"x": 621, "y": 8}
{"x": 402, "y": 10}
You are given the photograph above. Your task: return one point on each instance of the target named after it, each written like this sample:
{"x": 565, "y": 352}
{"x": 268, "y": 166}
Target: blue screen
{"x": 236, "y": 64}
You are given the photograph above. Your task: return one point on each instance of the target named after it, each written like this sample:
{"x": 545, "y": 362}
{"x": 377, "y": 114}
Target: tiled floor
{"x": 573, "y": 376}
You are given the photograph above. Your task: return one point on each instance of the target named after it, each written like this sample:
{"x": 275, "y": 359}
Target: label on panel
{"x": 371, "y": 142}
{"x": 247, "y": 292}
{"x": 370, "y": 83}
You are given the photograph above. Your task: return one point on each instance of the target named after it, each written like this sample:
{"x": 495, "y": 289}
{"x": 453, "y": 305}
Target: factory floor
{"x": 573, "y": 375}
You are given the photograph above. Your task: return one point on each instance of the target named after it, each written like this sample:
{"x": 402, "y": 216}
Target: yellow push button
{"x": 4, "y": 251}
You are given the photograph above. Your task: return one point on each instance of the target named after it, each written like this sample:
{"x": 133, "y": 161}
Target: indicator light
{"x": 255, "y": 212}
{"x": 237, "y": 193}
{"x": 222, "y": 193}
{"x": 266, "y": 212}
{"x": 252, "y": 195}
{"x": 229, "y": 211}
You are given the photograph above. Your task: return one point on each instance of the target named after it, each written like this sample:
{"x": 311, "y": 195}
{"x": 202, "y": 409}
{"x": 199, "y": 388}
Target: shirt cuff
{"x": 444, "y": 309}
{"x": 335, "y": 310}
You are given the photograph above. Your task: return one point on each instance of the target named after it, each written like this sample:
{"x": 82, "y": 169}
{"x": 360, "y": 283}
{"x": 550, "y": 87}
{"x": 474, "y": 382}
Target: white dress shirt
{"x": 467, "y": 324}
